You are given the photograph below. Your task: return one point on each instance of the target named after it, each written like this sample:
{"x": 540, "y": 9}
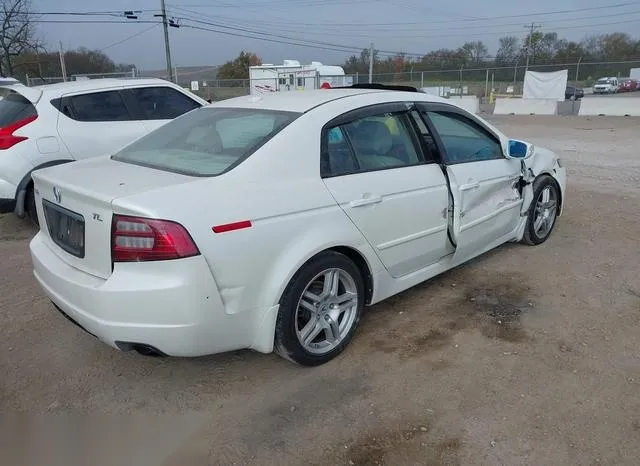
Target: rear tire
{"x": 543, "y": 211}
{"x": 320, "y": 310}
{"x": 30, "y": 205}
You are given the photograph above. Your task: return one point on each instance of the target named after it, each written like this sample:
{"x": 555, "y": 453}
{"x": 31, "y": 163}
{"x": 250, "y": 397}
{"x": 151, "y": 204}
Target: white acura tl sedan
{"x": 270, "y": 222}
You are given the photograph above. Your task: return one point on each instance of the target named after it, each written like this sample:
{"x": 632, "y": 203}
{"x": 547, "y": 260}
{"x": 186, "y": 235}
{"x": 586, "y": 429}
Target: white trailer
{"x": 635, "y": 73}
{"x": 293, "y": 76}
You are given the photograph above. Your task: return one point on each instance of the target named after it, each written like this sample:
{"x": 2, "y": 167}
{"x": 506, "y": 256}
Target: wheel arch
{"x": 352, "y": 252}
{"x": 360, "y": 253}
{"x": 553, "y": 176}
{"x": 27, "y": 181}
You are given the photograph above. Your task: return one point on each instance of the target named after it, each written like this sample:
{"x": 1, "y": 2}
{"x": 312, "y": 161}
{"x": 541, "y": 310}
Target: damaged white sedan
{"x": 270, "y": 222}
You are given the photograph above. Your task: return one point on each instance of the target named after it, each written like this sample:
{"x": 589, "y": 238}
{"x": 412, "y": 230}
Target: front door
{"x": 380, "y": 177}
{"x": 484, "y": 183}
{"x": 286, "y": 81}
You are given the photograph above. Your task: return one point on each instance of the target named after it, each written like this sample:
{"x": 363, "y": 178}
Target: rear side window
{"x": 162, "y": 103}
{"x": 14, "y": 108}
{"x": 99, "y": 106}
{"x": 372, "y": 143}
{"x": 207, "y": 141}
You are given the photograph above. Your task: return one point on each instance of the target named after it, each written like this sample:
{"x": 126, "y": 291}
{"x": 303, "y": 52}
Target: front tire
{"x": 320, "y": 310}
{"x": 543, "y": 211}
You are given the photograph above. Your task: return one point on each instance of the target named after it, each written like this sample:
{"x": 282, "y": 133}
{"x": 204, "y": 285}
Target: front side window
{"x": 207, "y": 141}
{"x": 162, "y": 103}
{"x": 370, "y": 143}
{"x": 463, "y": 140}
{"x": 99, "y": 106}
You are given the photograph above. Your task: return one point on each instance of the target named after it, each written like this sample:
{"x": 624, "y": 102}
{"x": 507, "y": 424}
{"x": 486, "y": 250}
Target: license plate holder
{"x": 66, "y": 228}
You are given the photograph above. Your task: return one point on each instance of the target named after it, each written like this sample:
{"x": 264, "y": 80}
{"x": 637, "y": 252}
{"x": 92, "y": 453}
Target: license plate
{"x": 66, "y": 228}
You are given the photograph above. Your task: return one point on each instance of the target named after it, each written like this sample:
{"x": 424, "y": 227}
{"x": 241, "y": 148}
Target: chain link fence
{"x": 480, "y": 82}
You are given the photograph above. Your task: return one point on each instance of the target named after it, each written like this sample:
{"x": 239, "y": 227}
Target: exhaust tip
{"x": 140, "y": 348}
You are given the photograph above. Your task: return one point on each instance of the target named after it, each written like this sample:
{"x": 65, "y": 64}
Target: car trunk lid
{"x": 75, "y": 206}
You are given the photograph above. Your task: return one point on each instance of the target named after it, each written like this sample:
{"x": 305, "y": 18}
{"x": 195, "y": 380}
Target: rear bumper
{"x": 172, "y": 306}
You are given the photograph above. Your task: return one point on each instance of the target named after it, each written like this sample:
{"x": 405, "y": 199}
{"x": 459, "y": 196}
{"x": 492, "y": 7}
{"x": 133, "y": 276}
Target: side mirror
{"x": 519, "y": 149}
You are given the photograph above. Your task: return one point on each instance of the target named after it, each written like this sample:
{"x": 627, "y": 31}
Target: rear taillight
{"x": 136, "y": 239}
{"x": 7, "y": 138}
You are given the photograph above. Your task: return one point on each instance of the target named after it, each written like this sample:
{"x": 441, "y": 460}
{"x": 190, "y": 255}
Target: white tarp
{"x": 545, "y": 85}
{"x": 513, "y": 106}
{"x": 610, "y": 106}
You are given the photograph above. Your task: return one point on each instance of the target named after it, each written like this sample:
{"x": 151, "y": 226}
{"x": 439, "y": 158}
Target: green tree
{"x": 239, "y": 67}
{"x": 617, "y": 46}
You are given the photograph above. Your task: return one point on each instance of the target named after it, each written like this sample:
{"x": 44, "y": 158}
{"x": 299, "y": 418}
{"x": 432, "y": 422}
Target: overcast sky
{"x": 393, "y": 25}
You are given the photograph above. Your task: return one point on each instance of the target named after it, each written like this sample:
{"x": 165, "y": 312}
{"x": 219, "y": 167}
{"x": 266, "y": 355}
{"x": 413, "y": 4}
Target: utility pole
{"x": 167, "y": 49}
{"x": 532, "y": 27}
{"x": 578, "y": 70}
{"x": 371, "y": 63}
{"x": 63, "y": 66}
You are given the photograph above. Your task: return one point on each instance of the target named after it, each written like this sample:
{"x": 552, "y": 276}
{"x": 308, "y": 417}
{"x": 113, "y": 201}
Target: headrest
{"x": 371, "y": 137}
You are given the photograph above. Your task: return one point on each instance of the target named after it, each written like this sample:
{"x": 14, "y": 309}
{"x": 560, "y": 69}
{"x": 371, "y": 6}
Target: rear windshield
{"x": 207, "y": 141}
{"x": 13, "y": 108}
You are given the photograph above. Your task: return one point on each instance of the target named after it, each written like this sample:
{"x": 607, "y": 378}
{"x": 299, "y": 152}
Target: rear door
{"x": 157, "y": 105}
{"x": 484, "y": 183}
{"x": 378, "y": 174}
{"x": 97, "y": 123}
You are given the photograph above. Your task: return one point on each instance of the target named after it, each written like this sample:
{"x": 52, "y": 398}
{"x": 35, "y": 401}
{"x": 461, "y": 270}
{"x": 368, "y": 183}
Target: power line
{"x": 485, "y": 18}
{"x": 139, "y": 33}
{"x": 288, "y": 40}
{"x": 91, "y": 21}
{"x": 321, "y": 47}
{"x": 340, "y": 32}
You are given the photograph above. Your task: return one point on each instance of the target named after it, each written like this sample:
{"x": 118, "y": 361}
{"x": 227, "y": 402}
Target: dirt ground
{"x": 527, "y": 355}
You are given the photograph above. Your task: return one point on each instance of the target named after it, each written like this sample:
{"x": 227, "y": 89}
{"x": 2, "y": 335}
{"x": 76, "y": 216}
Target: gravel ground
{"x": 527, "y": 355}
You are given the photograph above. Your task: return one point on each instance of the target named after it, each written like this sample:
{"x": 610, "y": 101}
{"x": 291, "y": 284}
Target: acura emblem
{"x": 57, "y": 194}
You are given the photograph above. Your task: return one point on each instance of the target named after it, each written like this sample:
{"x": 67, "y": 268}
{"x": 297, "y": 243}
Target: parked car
{"x": 58, "y": 123}
{"x": 628, "y": 85}
{"x": 573, "y": 93}
{"x": 269, "y": 222}
{"x": 606, "y": 86}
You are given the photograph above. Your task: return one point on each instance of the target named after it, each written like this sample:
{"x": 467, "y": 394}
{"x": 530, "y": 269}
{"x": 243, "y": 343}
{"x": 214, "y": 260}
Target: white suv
{"x": 57, "y": 123}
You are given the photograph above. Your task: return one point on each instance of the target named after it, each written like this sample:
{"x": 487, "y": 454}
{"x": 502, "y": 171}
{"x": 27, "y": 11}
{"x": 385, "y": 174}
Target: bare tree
{"x": 17, "y": 33}
{"x": 475, "y": 52}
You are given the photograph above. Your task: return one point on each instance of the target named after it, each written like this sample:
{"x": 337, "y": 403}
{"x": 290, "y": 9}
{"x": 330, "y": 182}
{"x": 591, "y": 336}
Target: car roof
{"x": 303, "y": 101}
{"x": 35, "y": 93}
{"x": 100, "y": 83}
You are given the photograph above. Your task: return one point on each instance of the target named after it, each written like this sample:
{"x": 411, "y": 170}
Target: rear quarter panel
{"x": 280, "y": 191}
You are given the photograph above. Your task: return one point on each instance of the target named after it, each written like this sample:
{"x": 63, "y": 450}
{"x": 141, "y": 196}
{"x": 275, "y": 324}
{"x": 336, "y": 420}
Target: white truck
{"x": 606, "y": 86}
{"x": 293, "y": 76}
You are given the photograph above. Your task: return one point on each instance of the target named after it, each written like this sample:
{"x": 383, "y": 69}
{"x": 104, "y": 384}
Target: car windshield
{"x": 604, "y": 81}
{"x": 206, "y": 141}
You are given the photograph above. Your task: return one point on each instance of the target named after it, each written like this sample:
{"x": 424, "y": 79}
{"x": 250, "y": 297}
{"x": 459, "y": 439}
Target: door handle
{"x": 469, "y": 186}
{"x": 365, "y": 201}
